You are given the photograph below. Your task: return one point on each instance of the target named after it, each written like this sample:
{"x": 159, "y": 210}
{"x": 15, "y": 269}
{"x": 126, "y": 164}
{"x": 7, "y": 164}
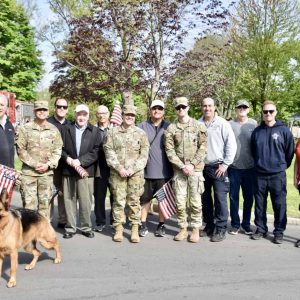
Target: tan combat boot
{"x": 194, "y": 238}
{"x": 135, "y": 234}
{"x": 118, "y": 237}
{"x": 182, "y": 235}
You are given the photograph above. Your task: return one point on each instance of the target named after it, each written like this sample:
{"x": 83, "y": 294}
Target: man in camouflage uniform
{"x": 186, "y": 147}
{"x": 126, "y": 149}
{"x": 39, "y": 147}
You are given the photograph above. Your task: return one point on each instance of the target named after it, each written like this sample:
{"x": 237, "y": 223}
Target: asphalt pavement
{"x": 160, "y": 268}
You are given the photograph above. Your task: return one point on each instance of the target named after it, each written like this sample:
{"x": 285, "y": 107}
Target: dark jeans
{"x": 243, "y": 178}
{"x": 216, "y": 209}
{"x": 100, "y": 190}
{"x": 276, "y": 185}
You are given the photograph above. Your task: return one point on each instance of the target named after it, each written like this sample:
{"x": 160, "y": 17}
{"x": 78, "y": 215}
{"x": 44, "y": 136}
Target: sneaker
{"x": 207, "y": 231}
{"x": 297, "y": 244}
{"x": 143, "y": 231}
{"x": 99, "y": 228}
{"x": 234, "y": 230}
{"x": 278, "y": 239}
{"x": 258, "y": 235}
{"x": 218, "y": 236}
{"x": 160, "y": 230}
{"x": 247, "y": 230}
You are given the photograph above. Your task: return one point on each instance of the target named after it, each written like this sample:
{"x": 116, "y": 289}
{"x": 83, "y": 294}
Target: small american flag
{"x": 81, "y": 171}
{"x": 8, "y": 179}
{"x": 166, "y": 200}
{"x": 116, "y": 116}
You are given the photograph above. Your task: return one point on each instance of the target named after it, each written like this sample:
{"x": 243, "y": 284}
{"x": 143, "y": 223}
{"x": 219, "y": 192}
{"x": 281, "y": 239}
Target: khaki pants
{"x": 80, "y": 189}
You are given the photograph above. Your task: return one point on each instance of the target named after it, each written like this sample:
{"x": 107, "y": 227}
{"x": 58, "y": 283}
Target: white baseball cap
{"x": 82, "y": 107}
{"x": 157, "y": 103}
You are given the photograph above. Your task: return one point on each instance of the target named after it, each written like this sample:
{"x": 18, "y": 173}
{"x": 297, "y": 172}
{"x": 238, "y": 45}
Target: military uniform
{"x": 126, "y": 148}
{"x": 187, "y": 144}
{"x": 36, "y": 144}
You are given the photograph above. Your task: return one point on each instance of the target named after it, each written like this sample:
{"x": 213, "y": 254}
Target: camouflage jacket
{"x": 186, "y": 144}
{"x": 37, "y": 144}
{"x": 128, "y": 148}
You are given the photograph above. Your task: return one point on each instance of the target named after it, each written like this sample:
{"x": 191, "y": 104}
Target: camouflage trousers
{"x": 188, "y": 190}
{"x": 37, "y": 192}
{"x": 127, "y": 191}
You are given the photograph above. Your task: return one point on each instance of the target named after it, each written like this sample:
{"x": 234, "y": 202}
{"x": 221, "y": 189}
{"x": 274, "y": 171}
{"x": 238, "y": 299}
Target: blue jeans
{"x": 243, "y": 178}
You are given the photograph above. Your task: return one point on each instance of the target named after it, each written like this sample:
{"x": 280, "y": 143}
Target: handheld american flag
{"x": 8, "y": 179}
{"x": 116, "y": 116}
{"x": 166, "y": 200}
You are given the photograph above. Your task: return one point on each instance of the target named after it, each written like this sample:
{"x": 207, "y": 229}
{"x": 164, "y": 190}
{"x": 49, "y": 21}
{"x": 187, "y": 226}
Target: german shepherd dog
{"x": 23, "y": 228}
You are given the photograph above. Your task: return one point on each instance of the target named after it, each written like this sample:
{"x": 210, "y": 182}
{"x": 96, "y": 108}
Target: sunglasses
{"x": 270, "y": 111}
{"x": 242, "y": 107}
{"x": 41, "y": 109}
{"x": 62, "y": 106}
{"x": 157, "y": 108}
{"x": 179, "y": 107}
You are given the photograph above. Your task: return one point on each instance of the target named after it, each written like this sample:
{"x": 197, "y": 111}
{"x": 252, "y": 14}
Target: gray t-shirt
{"x": 243, "y": 158}
{"x": 158, "y": 165}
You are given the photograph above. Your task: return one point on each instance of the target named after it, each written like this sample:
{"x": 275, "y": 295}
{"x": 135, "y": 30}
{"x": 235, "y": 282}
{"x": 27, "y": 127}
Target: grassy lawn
{"x": 293, "y": 197}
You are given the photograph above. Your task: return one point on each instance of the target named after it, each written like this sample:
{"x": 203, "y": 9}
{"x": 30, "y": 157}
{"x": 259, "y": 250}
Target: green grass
{"x": 293, "y": 197}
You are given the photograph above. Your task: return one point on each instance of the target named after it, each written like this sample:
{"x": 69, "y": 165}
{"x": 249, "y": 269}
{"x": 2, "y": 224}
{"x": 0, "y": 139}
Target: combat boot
{"x": 182, "y": 235}
{"x": 118, "y": 237}
{"x": 194, "y": 238}
{"x": 135, "y": 234}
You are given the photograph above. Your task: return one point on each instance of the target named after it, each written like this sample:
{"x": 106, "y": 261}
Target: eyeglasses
{"x": 157, "y": 108}
{"x": 270, "y": 111}
{"x": 62, "y": 106}
{"x": 179, "y": 107}
{"x": 242, "y": 107}
{"x": 102, "y": 113}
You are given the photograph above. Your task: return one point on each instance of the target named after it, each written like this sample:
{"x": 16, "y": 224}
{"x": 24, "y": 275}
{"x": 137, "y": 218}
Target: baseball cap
{"x": 39, "y": 104}
{"x": 82, "y": 107}
{"x": 242, "y": 102}
{"x": 129, "y": 109}
{"x": 181, "y": 101}
{"x": 157, "y": 103}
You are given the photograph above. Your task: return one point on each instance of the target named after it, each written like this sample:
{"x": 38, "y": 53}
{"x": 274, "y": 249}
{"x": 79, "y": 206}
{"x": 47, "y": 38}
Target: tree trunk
{"x": 127, "y": 97}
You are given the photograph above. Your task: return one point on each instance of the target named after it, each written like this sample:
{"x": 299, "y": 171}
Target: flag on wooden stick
{"x": 166, "y": 200}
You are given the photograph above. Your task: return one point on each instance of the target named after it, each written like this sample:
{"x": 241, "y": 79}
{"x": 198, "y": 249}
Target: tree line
{"x": 136, "y": 51}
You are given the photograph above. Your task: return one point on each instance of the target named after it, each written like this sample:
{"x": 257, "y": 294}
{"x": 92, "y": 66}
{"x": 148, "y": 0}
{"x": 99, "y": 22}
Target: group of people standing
{"x": 205, "y": 159}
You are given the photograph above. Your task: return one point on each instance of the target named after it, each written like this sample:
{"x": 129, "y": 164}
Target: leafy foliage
{"x": 129, "y": 47}
{"x": 20, "y": 65}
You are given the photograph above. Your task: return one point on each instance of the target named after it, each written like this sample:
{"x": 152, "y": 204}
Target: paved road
{"x": 159, "y": 268}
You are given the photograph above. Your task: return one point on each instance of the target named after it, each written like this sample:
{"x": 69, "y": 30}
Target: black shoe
{"x": 258, "y": 235}
{"x": 247, "y": 230}
{"x": 207, "y": 231}
{"x": 297, "y": 244}
{"x": 160, "y": 230}
{"x": 143, "y": 230}
{"x": 61, "y": 225}
{"x": 218, "y": 236}
{"x": 278, "y": 239}
{"x": 68, "y": 235}
{"x": 99, "y": 228}
{"x": 89, "y": 234}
